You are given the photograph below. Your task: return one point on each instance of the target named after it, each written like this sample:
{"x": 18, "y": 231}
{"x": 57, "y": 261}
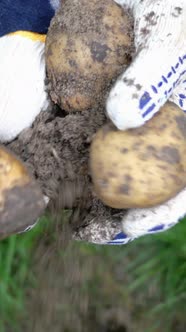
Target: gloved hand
{"x": 156, "y": 74}
{"x": 23, "y": 27}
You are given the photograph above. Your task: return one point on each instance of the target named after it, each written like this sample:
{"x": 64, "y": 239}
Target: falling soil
{"x": 56, "y": 151}
{"x": 86, "y": 288}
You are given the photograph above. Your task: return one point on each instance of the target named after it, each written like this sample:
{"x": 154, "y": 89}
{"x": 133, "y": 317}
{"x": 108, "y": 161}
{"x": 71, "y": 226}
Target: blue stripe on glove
{"x": 122, "y": 238}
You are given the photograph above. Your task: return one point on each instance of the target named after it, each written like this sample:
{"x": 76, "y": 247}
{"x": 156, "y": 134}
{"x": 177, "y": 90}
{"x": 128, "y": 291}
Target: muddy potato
{"x": 21, "y": 201}
{"x": 141, "y": 167}
{"x": 89, "y": 43}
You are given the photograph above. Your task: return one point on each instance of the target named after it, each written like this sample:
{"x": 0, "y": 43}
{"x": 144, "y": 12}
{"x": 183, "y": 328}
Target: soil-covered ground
{"x": 56, "y": 151}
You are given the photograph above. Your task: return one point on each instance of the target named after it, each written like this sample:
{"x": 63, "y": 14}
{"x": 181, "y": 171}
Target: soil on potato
{"x": 84, "y": 59}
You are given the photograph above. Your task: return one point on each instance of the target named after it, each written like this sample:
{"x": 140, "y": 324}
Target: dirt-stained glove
{"x": 157, "y": 73}
{"x": 158, "y": 70}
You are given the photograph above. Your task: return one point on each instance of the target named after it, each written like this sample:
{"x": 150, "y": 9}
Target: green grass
{"x": 158, "y": 259}
{"x": 162, "y": 262}
{"x": 165, "y": 260}
{"x": 15, "y": 276}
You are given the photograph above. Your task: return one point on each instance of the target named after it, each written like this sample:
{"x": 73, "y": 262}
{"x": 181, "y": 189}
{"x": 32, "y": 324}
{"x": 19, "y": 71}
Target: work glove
{"x": 23, "y": 28}
{"x": 156, "y": 74}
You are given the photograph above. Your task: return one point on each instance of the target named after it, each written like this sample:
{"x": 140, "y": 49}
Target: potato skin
{"x": 141, "y": 167}
{"x": 89, "y": 43}
{"x": 21, "y": 200}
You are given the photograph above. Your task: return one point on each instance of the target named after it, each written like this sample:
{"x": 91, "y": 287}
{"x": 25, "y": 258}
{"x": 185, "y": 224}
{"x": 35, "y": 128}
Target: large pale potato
{"x": 89, "y": 43}
{"x": 21, "y": 201}
{"x": 141, "y": 167}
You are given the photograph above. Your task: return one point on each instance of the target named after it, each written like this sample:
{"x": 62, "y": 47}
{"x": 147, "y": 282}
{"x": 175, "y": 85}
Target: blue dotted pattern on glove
{"x": 27, "y": 15}
{"x": 146, "y": 101}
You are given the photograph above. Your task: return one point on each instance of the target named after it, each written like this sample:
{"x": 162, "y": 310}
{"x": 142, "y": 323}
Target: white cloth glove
{"x": 22, "y": 88}
{"x": 157, "y": 73}
{"x": 158, "y": 70}
{"x": 23, "y": 27}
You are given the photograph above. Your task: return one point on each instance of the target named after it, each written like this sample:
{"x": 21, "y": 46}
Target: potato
{"x": 89, "y": 43}
{"x": 141, "y": 167}
{"x": 21, "y": 201}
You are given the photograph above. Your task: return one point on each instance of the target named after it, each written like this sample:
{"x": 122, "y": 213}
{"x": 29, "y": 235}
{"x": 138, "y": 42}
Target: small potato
{"x": 21, "y": 201}
{"x": 89, "y": 43}
{"x": 141, "y": 167}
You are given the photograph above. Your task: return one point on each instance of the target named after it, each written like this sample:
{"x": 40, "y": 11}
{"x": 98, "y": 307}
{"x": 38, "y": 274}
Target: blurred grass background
{"x": 16, "y": 276}
{"x": 146, "y": 277}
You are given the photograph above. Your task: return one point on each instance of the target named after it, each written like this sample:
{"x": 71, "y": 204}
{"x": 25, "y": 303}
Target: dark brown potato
{"x": 141, "y": 167}
{"x": 88, "y": 45}
{"x": 21, "y": 201}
